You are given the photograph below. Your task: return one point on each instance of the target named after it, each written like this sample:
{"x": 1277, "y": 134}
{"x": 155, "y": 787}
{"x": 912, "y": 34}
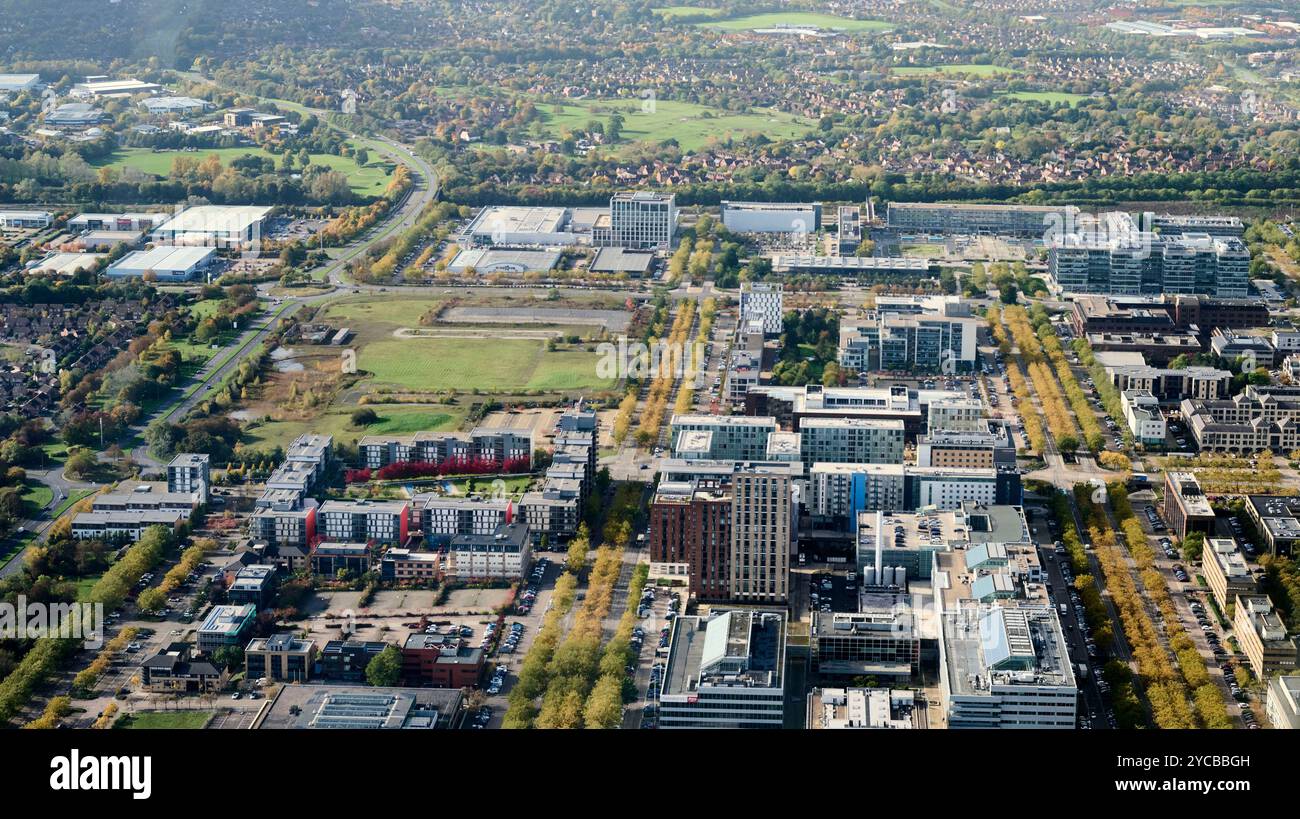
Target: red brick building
{"x": 440, "y": 661}
{"x": 691, "y": 523}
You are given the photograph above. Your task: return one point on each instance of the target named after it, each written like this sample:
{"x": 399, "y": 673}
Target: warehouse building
{"x": 771, "y": 217}
{"x": 222, "y": 226}
{"x": 166, "y": 264}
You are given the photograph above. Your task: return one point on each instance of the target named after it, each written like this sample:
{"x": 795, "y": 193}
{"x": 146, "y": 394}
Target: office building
{"x": 1031, "y": 221}
{"x": 989, "y": 445}
{"x": 764, "y": 301}
{"x": 872, "y": 708}
{"x": 1142, "y": 414}
{"x": 1282, "y": 704}
{"x": 727, "y": 671}
{"x": 882, "y": 639}
{"x": 1256, "y": 419}
{"x": 1205, "y": 313}
{"x": 1172, "y": 386}
{"x": 1126, "y": 260}
{"x": 1262, "y": 635}
{"x": 281, "y": 657}
{"x": 848, "y": 229}
{"x": 642, "y": 220}
{"x": 926, "y": 334}
{"x": 1226, "y": 571}
{"x": 125, "y": 525}
{"x": 226, "y": 626}
{"x": 872, "y": 268}
{"x": 772, "y": 217}
{"x": 1219, "y": 226}
{"x": 254, "y": 585}
{"x": 1186, "y": 507}
{"x": 174, "y": 671}
{"x": 788, "y": 406}
{"x": 440, "y": 661}
{"x": 762, "y": 535}
{"x": 346, "y": 660}
{"x": 1121, "y": 314}
{"x": 363, "y": 708}
{"x": 1277, "y": 520}
{"x": 1006, "y": 666}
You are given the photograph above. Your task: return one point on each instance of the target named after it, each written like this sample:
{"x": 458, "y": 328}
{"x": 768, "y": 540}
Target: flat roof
{"x": 65, "y": 264}
{"x": 164, "y": 258}
{"x": 215, "y": 219}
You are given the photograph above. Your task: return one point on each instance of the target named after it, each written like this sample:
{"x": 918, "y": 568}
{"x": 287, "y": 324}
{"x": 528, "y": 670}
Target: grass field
{"x": 367, "y": 180}
{"x": 165, "y": 719}
{"x": 498, "y": 365}
{"x": 923, "y": 251}
{"x": 658, "y": 120}
{"x": 798, "y": 18}
{"x": 687, "y": 11}
{"x": 973, "y": 69}
{"x": 1050, "y": 97}
{"x": 394, "y": 419}
{"x": 399, "y": 312}
{"x": 35, "y": 497}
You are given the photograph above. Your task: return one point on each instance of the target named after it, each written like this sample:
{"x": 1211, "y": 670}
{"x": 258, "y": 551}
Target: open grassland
{"x": 489, "y": 365}
{"x": 691, "y": 125}
{"x": 394, "y": 419}
{"x": 1049, "y": 97}
{"x": 164, "y": 719}
{"x": 366, "y": 180}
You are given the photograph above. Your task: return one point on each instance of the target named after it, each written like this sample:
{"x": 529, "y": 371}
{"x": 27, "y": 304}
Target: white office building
{"x": 764, "y": 301}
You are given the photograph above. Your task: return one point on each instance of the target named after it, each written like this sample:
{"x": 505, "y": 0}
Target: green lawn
{"x": 367, "y": 180}
{"x": 1049, "y": 97}
{"x": 165, "y": 719}
{"x": 399, "y": 312}
{"x": 66, "y": 504}
{"x": 974, "y": 69}
{"x": 923, "y": 251}
{"x": 687, "y": 11}
{"x": 394, "y": 419}
{"x": 491, "y": 365}
{"x": 35, "y": 497}
{"x": 690, "y": 124}
{"x": 798, "y": 18}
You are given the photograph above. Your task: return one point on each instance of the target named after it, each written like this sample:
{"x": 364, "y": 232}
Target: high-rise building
{"x": 765, "y": 301}
{"x": 762, "y": 531}
{"x": 642, "y": 219}
{"x": 190, "y": 472}
{"x": 690, "y": 527}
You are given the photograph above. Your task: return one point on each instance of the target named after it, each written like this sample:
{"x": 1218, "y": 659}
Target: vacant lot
{"x": 490, "y": 365}
{"x": 394, "y": 419}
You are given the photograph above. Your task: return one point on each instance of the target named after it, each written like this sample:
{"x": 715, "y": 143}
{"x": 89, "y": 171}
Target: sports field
{"x": 368, "y": 180}
{"x": 490, "y": 365}
{"x": 973, "y": 69}
{"x": 797, "y": 18}
{"x": 692, "y": 125}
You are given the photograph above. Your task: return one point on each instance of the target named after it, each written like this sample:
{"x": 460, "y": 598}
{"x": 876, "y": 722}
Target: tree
{"x": 81, "y": 463}
{"x": 364, "y": 417}
{"x": 229, "y": 657}
{"x": 385, "y": 668}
